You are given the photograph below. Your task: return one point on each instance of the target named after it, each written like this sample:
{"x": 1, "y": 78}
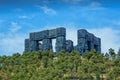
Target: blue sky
{"x": 20, "y": 17}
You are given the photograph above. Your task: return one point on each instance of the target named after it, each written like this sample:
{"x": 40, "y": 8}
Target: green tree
{"x": 112, "y": 54}
{"x": 107, "y": 56}
{"x": 114, "y": 73}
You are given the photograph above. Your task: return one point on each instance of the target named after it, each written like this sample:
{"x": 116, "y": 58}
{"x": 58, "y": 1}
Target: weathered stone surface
{"x": 52, "y": 33}
{"x": 33, "y": 46}
{"x": 61, "y": 32}
{"x": 81, "y": 33}
{"x": 32, "y": 36}
{"x": 45, "y": 36}
{"x": 60, "y": 44}
{"x": 39, "y": 35}
{"x": 47, "y": 44}
{"x": 27, "y": 41}
{"x": 86, "y": 41}
{"x": 69, "y": 46}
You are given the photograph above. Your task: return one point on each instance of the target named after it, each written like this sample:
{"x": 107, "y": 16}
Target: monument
{"x": 43, "y": 41}
{"x": 87, "y": 41}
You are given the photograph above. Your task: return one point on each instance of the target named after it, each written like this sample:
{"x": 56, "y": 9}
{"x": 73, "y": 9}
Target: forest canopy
{"x": 47, "y": 65}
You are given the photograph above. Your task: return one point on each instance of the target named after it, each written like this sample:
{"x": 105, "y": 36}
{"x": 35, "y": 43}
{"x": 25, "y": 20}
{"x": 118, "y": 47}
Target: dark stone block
{"x": 82, "y": 33}
{"x": 69, "y": 46}
{"x": 33, "y": 46}
{"x": 90, "y": 37}
{"x": 61, "y": 32}
{"x": 47, "y": 44}
{"x": 52, "y": 33}
{"x": 32, "y": 36}
{"x": 27, "y": 41}
{"x": 45, "y": 34}
{"x": 87, "y": 41}
{"x": 39, "y": 35}
{"x": 60, "y": 44}
{"x": 42, "y": 35}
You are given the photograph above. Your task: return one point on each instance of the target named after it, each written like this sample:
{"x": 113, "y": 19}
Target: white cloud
{"x": 11, "y": 43}
{"x": 14, "y": 27}
{"x": 47, "y": 10}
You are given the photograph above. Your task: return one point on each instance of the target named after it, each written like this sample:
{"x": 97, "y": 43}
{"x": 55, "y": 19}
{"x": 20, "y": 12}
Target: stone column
{"x": 69, "y": 46}
{"x": 27, "y": 45}
{"x": 81, "y": 45}
{"x": 81, "y": 34}
{"x": 60, "y": 44}
{"x": 90, "y": 42}
{"x": 34, "y": 46}
{"x": 46, "y": 44}
{"x": 99, "y": 45}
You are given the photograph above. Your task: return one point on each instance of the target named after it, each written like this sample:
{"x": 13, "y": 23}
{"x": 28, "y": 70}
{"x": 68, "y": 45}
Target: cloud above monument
{"x": 11, "y": 43}
{"x": 14, "y": 27}
{"x": 47, "y": 10}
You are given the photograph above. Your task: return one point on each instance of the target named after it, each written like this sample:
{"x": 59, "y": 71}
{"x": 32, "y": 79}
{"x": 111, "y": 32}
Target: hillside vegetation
{"x": 62, "y": 66}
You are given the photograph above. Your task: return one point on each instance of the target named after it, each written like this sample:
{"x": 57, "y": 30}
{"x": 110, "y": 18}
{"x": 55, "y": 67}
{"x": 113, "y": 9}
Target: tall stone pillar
{"x": 60, "y": 44}
{"x": 81, "y": 45}
{"x": 46, "y": 44}
{"x": 34, "y": 46}
{"x": 81, "y": 40}
{"x": 27, "y": 41}
{"x": 90, "y": 41}
{"x": 69, "y": 46}
{"x": 99, "y": 45}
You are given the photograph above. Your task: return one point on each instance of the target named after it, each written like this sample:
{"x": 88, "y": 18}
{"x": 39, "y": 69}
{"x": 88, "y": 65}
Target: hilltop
{"x": 46, "y": 65}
